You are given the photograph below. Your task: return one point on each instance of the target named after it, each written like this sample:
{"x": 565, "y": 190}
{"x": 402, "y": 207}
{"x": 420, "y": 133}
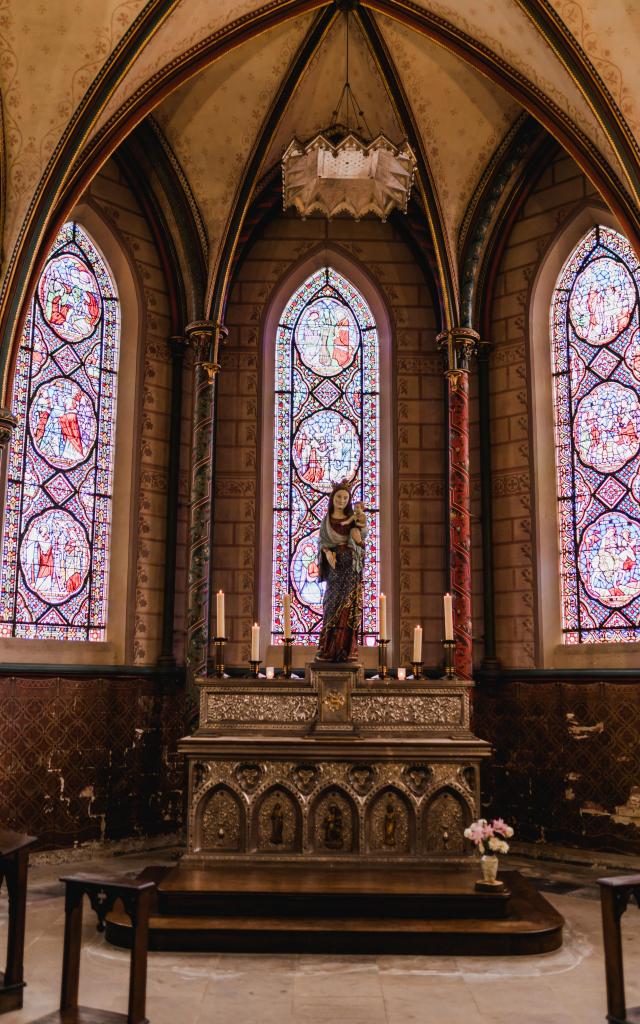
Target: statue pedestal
{"x": 332, "y": 765}
{"x": 334, "y": 684}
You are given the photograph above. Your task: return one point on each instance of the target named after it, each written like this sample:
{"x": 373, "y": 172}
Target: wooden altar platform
{"x": 342, "y": 908}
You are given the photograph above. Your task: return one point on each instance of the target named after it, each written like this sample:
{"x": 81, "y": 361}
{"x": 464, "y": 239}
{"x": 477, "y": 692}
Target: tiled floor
{"x": 566, "y": 987}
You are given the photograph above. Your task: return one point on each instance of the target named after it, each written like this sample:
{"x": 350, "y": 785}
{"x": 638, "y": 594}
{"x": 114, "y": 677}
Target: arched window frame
{"x": 551, "y": 652}
{"x": 117, "y": 648}
{"x": 329, "y": 255}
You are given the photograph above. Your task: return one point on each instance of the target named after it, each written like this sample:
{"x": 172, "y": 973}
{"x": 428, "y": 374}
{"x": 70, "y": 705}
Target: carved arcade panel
{"x": 221, "y": 821}
{"x": 390, "y": 824}
{"x": 334, "y": 823}
{"x": 277, "y": 826}
{"x": 444, "y": 821}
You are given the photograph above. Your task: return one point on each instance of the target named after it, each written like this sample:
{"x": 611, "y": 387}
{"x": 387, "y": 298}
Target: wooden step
{"x": 529, "y": 925}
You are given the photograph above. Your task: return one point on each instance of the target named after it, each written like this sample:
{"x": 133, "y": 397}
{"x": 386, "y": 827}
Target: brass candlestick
{"x": 219, "y": 642}
{"x": 255, "y": 666}
{"x": 287, "y": 657}
{"x": 382, "y": 658}
{"x": 416, "y": 668}
{"x": 449, "y": 659}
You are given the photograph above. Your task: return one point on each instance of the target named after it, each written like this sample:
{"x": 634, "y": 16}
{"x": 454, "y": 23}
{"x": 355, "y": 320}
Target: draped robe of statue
{"x": 342, "y": 603}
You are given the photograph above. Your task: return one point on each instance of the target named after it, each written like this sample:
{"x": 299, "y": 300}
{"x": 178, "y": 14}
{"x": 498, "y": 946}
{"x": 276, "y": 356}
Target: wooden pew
{"x": 615, "y": 894}
{"x": 14, "y": 863}
{"x": 103, "y": 893}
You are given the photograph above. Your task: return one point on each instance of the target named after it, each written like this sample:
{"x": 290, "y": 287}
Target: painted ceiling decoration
{"x": 441, "y": 73}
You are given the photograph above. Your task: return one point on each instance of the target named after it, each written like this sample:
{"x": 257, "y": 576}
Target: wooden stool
{"x": 615, "y": 894}
{"x": 103, "y": 893}
{"x": 14, "y": 861}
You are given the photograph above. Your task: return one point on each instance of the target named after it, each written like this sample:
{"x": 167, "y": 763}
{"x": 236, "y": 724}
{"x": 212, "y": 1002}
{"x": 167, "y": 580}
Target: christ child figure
{"x": 358, "y": 519}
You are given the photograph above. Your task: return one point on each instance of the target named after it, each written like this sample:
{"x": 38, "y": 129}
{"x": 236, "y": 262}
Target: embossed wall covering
{"x": 566, "y": 761}
{"x": 419, "y": 435}
{"x": 89, "y": 759}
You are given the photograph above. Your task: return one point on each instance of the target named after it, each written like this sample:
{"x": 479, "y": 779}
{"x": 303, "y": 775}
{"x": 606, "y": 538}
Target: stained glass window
{"x": 595, "y": 336}
{"x": 326, "y": 431}
{"x": 55, "y": 549}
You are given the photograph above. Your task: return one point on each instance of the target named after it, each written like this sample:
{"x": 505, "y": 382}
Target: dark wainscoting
{"x": 90, "y": 754}
{"x": 566, "y": 764}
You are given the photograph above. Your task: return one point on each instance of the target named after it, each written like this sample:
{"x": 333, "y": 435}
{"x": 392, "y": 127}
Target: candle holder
{"x": 287, "y": 657}
{"x": 416, "y": 668}
{"x": 255, "y": 666}
{"x": 219, "y": 642}
{"x": 449, "y": 659}
{"x": 382, "y": 658}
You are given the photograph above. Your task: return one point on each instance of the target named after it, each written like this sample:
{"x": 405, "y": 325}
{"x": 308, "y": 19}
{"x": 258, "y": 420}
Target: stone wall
{"x": 561, "y": 189}
{"x": 419, "y": 434}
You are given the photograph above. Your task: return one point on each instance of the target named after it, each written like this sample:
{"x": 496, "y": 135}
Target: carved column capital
{"x": 206, "y": 336}
{"x": 459, "y": 344}
{"x": 7, "y": 424}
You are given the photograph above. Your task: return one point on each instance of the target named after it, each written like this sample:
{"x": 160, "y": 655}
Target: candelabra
{"x": 416, "y": 668}
{"x": 382, "y": 657}
{"x": 255, "y": 665}
{"x": 449, "y": 659}
{"x": 219, "y": 642}
{"x": 287, "y": 657}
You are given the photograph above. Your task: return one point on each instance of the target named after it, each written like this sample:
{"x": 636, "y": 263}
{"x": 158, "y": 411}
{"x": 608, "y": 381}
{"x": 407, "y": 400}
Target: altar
{"x": 332, "y": 765}
{"x": 326, "y": 813}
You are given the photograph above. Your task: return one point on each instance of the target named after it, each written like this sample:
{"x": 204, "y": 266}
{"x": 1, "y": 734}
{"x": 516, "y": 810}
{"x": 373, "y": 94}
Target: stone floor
{"x": 566, "y": 987}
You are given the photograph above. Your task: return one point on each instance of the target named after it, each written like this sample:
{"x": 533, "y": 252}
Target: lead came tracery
{"x": 326, "y": 431}
{"x": 55, "y": 557}
{"x": 596, "y": 360}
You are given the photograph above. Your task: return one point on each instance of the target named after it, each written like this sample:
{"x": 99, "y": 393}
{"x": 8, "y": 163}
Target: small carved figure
{"x": 390, "y": 823}
{"x": 332, "y": 826}
{"x": 277, "y": 824}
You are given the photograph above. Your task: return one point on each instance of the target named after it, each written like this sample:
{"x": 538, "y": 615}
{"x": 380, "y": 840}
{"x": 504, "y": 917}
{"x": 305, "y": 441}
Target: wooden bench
{"x": 14, "y": 863}
{"x": 615, "y": 894}
{"x": 103, "y": 893}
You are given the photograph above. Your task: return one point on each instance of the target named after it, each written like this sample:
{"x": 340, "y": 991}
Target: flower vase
{"x": 489, "y": 868}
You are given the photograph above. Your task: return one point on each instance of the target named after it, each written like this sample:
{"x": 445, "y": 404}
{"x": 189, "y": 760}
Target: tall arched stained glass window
{"x": 55, "y": 551}
{"x": 326, "y": 431}
{"x": 595, "y": 333}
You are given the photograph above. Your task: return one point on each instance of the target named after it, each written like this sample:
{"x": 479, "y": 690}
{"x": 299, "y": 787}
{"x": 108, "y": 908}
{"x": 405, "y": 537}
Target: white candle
{"x": 255, "y": 642}
{"x": 287, "y": 616}
{"x": 220, "y": 613}
{"x": 402, "y": 673}
{"x": 382, "y": 618}
{"x": 448, "y": 617}
{"x": 417, "y": 643}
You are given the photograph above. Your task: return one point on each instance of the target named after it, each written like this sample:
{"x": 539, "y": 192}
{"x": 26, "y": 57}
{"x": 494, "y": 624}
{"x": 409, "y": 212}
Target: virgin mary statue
{"x": 341, "y": 559}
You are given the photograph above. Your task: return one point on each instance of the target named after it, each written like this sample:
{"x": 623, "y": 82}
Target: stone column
{"x": 7, "y": 425}
{"x": 458, "y": 344}
{"x": 205, "y": 336}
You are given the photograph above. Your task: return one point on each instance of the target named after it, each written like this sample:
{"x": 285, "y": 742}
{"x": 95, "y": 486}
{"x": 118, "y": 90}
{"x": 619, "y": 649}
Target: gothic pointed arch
{"x": 326, "y": 408}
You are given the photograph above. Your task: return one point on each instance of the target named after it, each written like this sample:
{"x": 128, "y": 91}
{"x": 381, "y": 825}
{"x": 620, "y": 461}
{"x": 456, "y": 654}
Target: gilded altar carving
{"x": 333, "y": 824}
{"x": 361, "y": 777}
{"x": 444, "y": 823}
{"x": 417, "y": 777}
{"x": 389, "y": 824}
{"x": 248, "y": 776}
{"x": 305, "y": 776}
{"x": 256, "y": 707}
{"x": 221, "y": 821}
{"x": 278, "y": 823}
{"x": 413, "y": 709}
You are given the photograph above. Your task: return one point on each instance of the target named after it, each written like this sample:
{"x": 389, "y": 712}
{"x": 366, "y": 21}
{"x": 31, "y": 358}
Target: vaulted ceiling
{"x": 229, "y": 82}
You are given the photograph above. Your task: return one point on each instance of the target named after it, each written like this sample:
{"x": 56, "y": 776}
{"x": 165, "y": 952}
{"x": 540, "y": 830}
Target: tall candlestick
{"x": 382, "y": 617}
{"x": 448, "y": 617}
{"x": 220, "y": 614}
{"x": 255, "y": 642}
{"x": 417, "y": 643}
{"x": 287, "y": 616}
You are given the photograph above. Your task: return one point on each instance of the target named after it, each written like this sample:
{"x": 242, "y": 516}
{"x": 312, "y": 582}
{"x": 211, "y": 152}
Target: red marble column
{"x": 459, "y": 344}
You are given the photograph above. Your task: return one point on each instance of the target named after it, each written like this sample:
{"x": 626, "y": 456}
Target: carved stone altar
{"x": 332, "y": 766}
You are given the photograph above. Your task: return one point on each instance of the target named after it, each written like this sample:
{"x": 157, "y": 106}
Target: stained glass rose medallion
{"x": 602, "y": 301}
{"x": 609, "y": 559}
